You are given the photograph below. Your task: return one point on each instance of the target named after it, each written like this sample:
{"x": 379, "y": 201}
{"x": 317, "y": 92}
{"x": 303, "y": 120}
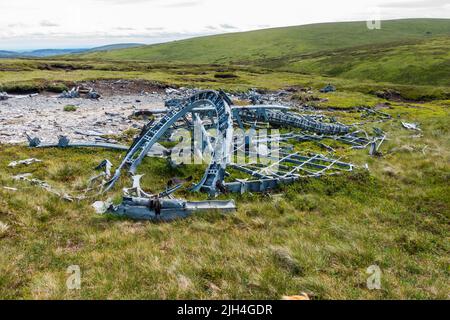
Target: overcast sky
{"x": 31, "y": 24}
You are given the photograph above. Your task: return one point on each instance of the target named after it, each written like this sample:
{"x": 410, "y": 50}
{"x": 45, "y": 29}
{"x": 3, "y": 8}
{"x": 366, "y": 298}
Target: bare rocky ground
{"x": 43, "y": 115}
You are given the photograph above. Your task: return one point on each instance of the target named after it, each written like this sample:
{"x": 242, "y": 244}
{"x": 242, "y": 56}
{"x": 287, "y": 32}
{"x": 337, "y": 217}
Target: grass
{"x": 402, "y": 51}
{"x": 424, "y": 62}
{"x": 272, "y": 43}
{"x": 242, "y": 79}
{"x": 317, "y": 236}
{"x": 409, "y": 56}
{"x": 70, "y": 108}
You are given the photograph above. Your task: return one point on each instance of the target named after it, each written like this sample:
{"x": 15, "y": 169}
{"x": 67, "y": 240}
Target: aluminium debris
{"x": 42, "y": 184}
{"x": 26, "y": 162}
{"x": 4, "y": 96}
{"x": 328, "y": 88}
{"x": 219, "y": 113}
{"x": 71, "y": 94}
{"x": 102, "y": 207}
{"x": 411, "y": 126}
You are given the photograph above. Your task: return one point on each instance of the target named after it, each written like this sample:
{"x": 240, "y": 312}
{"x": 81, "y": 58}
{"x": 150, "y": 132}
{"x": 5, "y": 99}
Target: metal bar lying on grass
{"x": 63, "y": 142}
{"x": 167, "y": 209}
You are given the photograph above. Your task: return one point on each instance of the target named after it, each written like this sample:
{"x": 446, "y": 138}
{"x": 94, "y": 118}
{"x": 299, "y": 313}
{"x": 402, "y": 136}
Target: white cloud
{"x": 48, "y": 24}
{"x": 228, "y": 26}
{"x": 84, "y": 23}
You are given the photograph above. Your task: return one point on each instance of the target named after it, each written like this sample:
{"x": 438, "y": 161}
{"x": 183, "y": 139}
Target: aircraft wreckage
{"x": 208, "y": 111}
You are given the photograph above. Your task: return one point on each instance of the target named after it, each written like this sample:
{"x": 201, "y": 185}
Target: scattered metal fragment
{"x": 4, "y": 227}
{"x": 136, "y": 190}
{"x": 4, "y": 96}
{"x": 287, "y": 119}
{"x": 71, "y": 94}
{"x": 328, "y": 88}
{"x": 103, "y": 177}
{"x": 90, "y": 133}
{"x": 76, "y": 92}
{"x": 33, "y": 142}
{"x": 167, "y": 209}
{"x": 106, "y": 165}
{"x": 146, "y": 113}
{"x": 10, "y": 188}
{"x": 92, "y": 94}
{"x": 42, "y": 184}
{"x": 21, "y": 176}
{"x": 171, "y": 90}
{"x": 411, "y": 126}
{"x": 26, "y": 162}
{"x": 156, "y": 151}
{"x": 102, "y": 207}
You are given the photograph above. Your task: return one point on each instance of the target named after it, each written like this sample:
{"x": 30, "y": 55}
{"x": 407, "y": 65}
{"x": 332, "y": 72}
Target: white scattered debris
{"x": 135, "y": 190}
{"x": 42, "y": 184}
{"x": 26, "y": 162}
{"x": 92, "y": 94}
{"x": 102, "y": 207}
{"x": 411, "y": 126}
{"x": 424, "y": 150}
{"x": 72, "y": 94}
{"x": 171, "y": 90}
{"x": 4, "y": 227}
{"x": 10, "y": 189}
{"x": 108, "y": 166}
{"x": 22, "y": 176}
{"x": 4, "y": 96}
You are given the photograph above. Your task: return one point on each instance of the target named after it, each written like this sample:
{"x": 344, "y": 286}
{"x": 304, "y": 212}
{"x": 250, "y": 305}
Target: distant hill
{"x": 51, "y": 52}
{"x": 42, "y": 53}
{"x": 116, "y": 47}
{"x": 402, "y": 51}
{"x": 8, "y": 54}
{"x": 272, "y": 43}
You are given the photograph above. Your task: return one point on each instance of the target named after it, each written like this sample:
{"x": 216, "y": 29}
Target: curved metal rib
{"x": 215, "y": 173}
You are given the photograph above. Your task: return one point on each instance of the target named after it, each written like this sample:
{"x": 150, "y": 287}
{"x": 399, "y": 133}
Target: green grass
{"x": 70, "y": 108}
{"x": 33, "y": 78}
{"x": 317, "y": 236}
{"x": 272, "y": 43}
{"x": 408, "y": 56}
{"x": 424, "y": 62}
{"x": 410, "y": 51}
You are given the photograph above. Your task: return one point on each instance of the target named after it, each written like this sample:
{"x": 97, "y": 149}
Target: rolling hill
{"x": 410, "y": 51}
{"x": 8, "y": 54}
{"x": 116, "y": 47}
{"x": 42, "y": 53}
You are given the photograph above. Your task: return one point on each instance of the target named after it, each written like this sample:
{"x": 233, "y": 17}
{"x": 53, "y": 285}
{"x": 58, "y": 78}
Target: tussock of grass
{"x": 70, "y": 108}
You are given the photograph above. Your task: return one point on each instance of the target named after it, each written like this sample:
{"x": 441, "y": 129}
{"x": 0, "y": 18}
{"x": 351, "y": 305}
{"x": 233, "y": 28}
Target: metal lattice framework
{"x": 283, "y": 168}
{"x": 287, "y": 119}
